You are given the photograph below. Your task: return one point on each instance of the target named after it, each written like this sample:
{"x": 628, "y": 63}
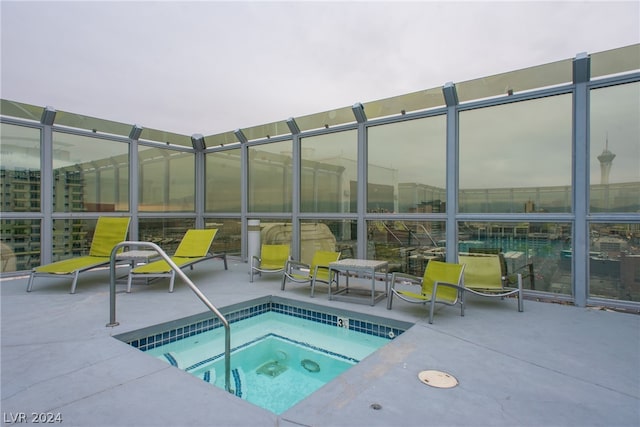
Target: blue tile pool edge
{"x": 164, "y": 333}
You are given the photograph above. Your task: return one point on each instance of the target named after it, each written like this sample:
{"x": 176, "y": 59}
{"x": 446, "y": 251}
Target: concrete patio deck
{"x": 553, "y": 365}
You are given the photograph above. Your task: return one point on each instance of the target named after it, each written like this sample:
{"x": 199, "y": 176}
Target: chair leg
{"x": 172, "y": 280}
{"x": 432, "y": 307}
{"x": 129, "y": 279}
{"x": 30, "y": 284}
{"x": 75, "y": 282}
{"x": 390, "y": 299}
{"x": 432, "y": 302}
{"x": 520, "y": 294}
{"x": 284, "y": 281}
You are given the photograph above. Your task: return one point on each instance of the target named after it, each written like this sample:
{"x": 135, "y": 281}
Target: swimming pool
{"x": 282, "y": 350}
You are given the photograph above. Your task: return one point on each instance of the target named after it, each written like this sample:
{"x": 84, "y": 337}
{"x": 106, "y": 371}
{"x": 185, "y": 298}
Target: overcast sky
{"x": 209, "y": 67}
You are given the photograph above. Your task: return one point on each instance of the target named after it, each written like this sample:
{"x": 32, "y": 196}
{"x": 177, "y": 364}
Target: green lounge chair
{"x": 193, "y": 248}
{"x": 484, "y": 276}
{"x": 317, "y": 271}
{"x": 109, "y": 232}
{"x": 272, "y": 259}
{"x": 442, "y": 283}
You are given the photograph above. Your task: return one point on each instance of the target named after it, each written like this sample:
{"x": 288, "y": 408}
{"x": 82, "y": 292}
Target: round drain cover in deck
{"x": 438, "y": 379}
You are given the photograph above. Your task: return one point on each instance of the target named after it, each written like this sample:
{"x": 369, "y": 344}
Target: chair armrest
{"x": 318, "y": 267}
{"x": 405, "y": 278}
{"x": 294, "y": 265}
{"x": 447, "y": 284}
{"x": 297, "y": 264}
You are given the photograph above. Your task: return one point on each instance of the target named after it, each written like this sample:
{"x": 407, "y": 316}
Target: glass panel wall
{"x": 223, "y": 183}
{"x": 72, "y": 237}
{"x": 545, "y": 246}
{"x": 229, "y": 236}
{"x": 328, "y": 235}
{"x": 270, "y": 177}
{"x": 329, "y": 169}
{"x": 511, "y": 154}
{"x": 406, "y": 245}
{"x": 407, "y": 166}
{"x": 166, "y": 180}
{"x": 615, "y": 149}
{"x": 19, "y": 244}
{"x": 89, "y": 174}
{"x": 614, "y": 261}
{"x": 19, "y": 169}
{"x": 275, "y": 231}
{"x": 515, "y": 162}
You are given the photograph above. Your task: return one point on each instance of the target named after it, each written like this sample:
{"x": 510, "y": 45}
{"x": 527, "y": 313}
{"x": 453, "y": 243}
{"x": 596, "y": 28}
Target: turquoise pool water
{"x": 282, "y": 351}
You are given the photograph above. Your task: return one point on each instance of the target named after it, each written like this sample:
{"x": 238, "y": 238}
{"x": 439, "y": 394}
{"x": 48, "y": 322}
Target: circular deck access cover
{"x": 437, "y": 379}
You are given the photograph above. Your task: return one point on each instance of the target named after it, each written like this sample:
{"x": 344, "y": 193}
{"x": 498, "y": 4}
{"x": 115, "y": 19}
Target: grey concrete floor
{"x": 553, "y": 365}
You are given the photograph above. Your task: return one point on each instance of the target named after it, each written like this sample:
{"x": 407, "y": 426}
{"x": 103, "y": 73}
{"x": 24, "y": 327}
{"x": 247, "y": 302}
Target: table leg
{"x": 335, "y": 276}
{"x": 373, "y": 287}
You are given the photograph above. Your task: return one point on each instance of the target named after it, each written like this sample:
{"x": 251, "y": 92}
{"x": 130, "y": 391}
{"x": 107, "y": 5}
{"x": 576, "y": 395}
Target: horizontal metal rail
{"x": 194, "y": 288}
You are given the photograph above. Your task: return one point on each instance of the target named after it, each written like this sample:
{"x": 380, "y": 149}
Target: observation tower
{"x": 606, "y": 159}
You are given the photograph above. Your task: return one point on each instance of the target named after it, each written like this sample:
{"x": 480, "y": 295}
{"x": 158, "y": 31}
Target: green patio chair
{"x": 109, "y": 232}
{"x": 272, "y": 259}
{"x": 317, "y": 271}
{"x": 193, "y": 248}
{"x": 441, "y": 283}
{"x": 485, "y": 276}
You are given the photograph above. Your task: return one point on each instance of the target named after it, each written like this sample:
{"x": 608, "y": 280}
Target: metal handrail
{"x": 194, "y": 288}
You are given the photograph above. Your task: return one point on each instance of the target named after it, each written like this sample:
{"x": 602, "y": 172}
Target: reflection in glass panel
{"x": 512, "y": 155}
{"x": 19, "y": 244}
{"x": 329, "y": 167}
{"x": 89, "y": 174}
{"x": 275, "y": 232}
{"x": 229, "y": 236}
{"x": 546, "y": 247}
{"x": 615, "y": 149}
{"x": 407, "y": 166}
{"x": 406, "y": 245}
{"x": 223, "y": 182}
{"x": 614, "y": 261}
{"x": 164, "y": 232}
{"x": 270, "y": 177}
{"x": 166, "y": 180}
{"x": 19, "y": 169}
{"x": 328, "y": 235}
{"x": 72, "y": 237}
